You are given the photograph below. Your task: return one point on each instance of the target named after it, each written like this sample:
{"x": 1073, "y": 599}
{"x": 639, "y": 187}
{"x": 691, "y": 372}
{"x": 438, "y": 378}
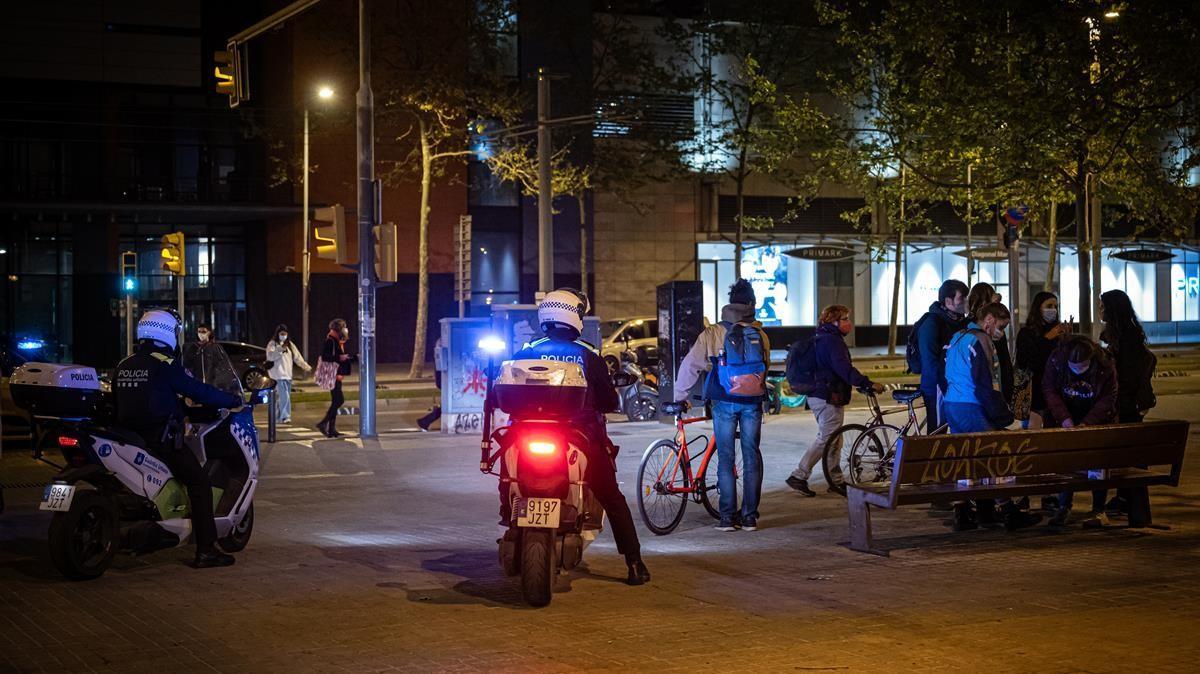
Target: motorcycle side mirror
{"x": 622, "y": 379}
{"x": 257, "y": 381}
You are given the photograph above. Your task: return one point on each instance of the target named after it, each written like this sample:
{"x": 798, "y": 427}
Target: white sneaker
{"x": 725, "y": 527}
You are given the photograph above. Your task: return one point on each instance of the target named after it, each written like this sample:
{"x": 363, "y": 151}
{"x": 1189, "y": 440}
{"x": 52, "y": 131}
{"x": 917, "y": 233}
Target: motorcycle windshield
{"x": 210, "y": 364}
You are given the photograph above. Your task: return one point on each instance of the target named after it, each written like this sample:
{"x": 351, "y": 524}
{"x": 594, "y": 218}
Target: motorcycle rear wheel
{"x": 537, "y": 566}
{"x": 83, "y": 540}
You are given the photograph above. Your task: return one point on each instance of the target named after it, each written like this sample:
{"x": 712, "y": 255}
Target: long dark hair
{"x": 1034, "y": 320}
{"x": 1120, "y": 321}
{"x": 282, "y": 327}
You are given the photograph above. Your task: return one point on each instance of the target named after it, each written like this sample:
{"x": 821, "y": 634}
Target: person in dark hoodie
{"x": 1080, "y": 389}
{"x": 731, "y": 415}
{"x": 934, "y": 331}
{"x": 833, "y": 378}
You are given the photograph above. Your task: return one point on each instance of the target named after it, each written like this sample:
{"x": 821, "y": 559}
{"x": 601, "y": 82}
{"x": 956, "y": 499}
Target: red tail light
{"x": 67, "y": 441}
{"x": 542, "y": 447}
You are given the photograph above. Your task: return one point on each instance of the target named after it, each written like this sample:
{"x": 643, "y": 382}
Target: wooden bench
{"x": 928, "y": 468}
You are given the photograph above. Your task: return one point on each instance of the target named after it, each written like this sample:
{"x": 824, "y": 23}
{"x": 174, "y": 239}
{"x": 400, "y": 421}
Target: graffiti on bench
{"x": 954, "y": 459}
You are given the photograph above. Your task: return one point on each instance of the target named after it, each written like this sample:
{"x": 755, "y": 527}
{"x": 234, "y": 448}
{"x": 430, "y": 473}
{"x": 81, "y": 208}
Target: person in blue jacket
{"x": 973, "y": 404}
{"x": 833, "y": 378}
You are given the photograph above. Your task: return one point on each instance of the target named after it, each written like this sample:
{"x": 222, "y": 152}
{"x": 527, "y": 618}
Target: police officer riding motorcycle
{"x": 560, "y": 314}
{"x": 146, "y": 391}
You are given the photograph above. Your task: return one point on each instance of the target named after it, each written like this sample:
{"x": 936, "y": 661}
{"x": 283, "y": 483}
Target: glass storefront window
{"x": 1185, "y": 286}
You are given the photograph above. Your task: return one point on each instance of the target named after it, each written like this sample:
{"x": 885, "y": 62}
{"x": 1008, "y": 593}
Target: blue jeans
{"x": 966, "y": 418}
{"x": 728, "y": 419}
{"x": 283, "y": 399}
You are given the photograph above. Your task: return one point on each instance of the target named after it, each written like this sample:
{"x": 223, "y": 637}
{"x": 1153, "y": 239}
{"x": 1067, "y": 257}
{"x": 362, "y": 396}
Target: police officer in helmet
{"x": 146, "y": 391}
{"x": 560, "y": 314}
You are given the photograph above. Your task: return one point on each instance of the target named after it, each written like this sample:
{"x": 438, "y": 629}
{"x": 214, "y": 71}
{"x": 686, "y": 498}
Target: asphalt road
{"x": 380, "y": 555}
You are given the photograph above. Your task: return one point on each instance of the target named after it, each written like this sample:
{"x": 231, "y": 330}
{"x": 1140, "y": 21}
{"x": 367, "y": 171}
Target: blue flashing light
{"x": 30, "y": 344}
{"x": 491, "y": 344}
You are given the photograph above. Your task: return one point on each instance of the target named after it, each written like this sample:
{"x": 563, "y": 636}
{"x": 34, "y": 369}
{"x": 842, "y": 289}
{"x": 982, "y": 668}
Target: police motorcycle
{"x": 554, "y": 516}
{"x": 113, "y": 494}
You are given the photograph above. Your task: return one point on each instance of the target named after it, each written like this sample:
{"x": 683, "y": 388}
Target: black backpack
{"x": 801, "y": 366}
{"x": 912, "y": 351}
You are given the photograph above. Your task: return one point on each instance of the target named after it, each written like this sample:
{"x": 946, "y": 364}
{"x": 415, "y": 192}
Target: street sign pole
{"x": 368, "y": 201}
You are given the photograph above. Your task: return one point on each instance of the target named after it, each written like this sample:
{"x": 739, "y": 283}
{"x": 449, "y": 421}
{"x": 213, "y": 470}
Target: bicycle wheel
{"x": 707, "y": 486}
{"x": 832, "y": 459}
{"x": 662, "y": 468}
{"x": 871, "y": 457}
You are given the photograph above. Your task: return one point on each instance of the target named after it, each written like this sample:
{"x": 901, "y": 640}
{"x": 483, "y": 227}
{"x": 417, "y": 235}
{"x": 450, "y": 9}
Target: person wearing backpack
{"x": 927, "y": 341}
{"x": 820, "y": 368}
{"x": 736, "y": 353}
{"x": 1135, "y": 362}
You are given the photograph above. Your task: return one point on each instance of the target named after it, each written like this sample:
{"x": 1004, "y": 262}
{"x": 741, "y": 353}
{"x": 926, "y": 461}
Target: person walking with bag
{"x": 737, "y": 352}
{"x": 821, "y": 369}
{"x": 333, "y": 365}
{"x": 284, "y": 357}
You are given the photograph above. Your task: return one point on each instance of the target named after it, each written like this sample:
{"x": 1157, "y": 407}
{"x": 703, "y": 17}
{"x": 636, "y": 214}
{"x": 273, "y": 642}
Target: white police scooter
{"x": 114, "y": 495}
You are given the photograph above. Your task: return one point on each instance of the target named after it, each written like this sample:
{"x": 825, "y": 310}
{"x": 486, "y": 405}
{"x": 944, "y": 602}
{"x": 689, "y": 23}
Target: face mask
{"x": 203, "y": 336}
{"x": 345, "y": 332}
{"x": 1049, "y": 315}
{"x": 1079, "y": 368}
{"x": 283, "y": 337}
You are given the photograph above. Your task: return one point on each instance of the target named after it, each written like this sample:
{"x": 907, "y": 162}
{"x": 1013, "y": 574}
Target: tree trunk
{"x": 737, "y": 241}
{"x": 1081, "y": 254}
{"x": 893, "y": 324}
{"x": 1048, "y": 284}
{"x": 418, "y": 360}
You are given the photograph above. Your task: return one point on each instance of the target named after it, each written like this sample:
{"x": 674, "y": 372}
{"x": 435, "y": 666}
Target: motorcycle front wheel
{"x": 537, "y": 566}
{"x": 83, "y": 540}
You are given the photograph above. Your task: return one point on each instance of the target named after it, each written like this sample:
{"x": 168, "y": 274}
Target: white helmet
{"x": 565, "y": 307}
{"x": 160, "y": 325}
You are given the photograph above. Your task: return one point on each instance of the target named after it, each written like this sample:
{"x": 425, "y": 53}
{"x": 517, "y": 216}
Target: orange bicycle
{"x": 667, "y": 481}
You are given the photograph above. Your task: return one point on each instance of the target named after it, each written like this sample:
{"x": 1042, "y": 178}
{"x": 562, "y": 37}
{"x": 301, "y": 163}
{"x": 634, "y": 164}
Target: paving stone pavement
{"x": 379, "y": 556}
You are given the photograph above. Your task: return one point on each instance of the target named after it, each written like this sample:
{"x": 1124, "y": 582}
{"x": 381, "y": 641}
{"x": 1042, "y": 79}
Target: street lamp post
{"x": 324, "y": 93}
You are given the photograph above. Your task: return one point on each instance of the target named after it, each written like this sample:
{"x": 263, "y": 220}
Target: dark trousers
{"x": 336, "y": 398}
{"x": 932, "y": 421}
{"x": 602, "y": 480}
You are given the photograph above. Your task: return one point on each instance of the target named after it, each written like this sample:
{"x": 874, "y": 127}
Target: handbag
{"x": 1022, "y": 393}
{"x": 326, "y": 374}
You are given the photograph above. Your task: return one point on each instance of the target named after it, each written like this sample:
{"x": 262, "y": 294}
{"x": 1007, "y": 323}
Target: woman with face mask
{"x": 1080, "y": 388}
{"x": 335, "y": 352}
{"x": 1042, "y": 333}
{"x": 284, "y": 357}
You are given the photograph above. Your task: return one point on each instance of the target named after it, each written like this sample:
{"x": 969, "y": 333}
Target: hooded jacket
{"x": 1086, "y": 399}
{"x": 284, "y": 357}
{"x": 969, "y": 375}
{"x": 834, "y": 369}
{"x": 932, "y": 337}
{"x": 708, "y": 346}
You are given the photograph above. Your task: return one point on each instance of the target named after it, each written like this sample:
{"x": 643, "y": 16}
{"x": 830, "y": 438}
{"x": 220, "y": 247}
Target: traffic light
{"x": 329, "y": 226}
{"x": 385, "y": 252}
{"x": 129, "y": 273}
{"x": 232, "y": 74}
{"x": 173, "y": 259}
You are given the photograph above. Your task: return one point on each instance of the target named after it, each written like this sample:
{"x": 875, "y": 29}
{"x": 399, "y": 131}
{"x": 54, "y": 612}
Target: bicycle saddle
{"x": 672, "y": 408}
{"x": 905, "y": 395}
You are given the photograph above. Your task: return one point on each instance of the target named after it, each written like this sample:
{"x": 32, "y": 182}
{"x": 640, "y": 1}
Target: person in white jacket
{"x": 284, "y": 357}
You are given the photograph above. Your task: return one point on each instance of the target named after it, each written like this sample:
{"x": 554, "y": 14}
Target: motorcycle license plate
{"x": 539, "y": 512}
{"x": 57, "y": 498}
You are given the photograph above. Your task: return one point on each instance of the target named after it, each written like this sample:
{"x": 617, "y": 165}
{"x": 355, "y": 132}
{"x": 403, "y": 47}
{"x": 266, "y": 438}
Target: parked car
{"x": 622, "y": 334}
{"x": 246, "y": 359}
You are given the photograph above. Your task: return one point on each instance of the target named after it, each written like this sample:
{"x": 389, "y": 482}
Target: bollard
{"x": 271, "y": 416}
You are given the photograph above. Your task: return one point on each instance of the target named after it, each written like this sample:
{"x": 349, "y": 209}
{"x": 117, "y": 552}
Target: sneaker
{"x": 1050, "y": 504}
{"x": 964, "y": 518}
{"x": 749, "y": 525}
{"x": 1059, "y": 518}
{"x": 1097, "y": 521}
{"x": 800, "y": 486}
{"x": 207, "y": 560}
{"x": 725, "y": 525}
{"x": 1015, "y": 518}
